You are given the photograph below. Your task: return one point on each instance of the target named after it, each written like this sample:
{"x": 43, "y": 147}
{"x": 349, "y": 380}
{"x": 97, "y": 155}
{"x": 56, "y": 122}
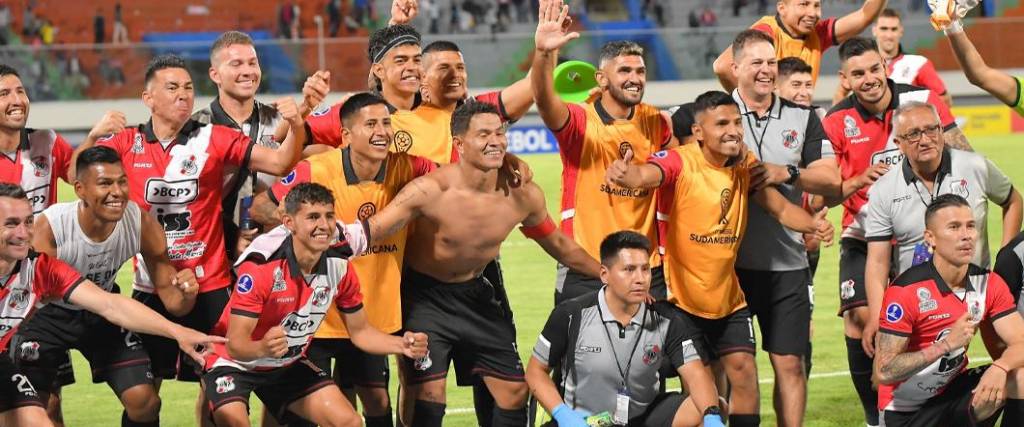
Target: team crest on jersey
{"x": 403, "y": 141}
{"x": 28, "y": 351}
{"x": 41, "y": 166}
{"x": 322, "y": 110}
{"x": 925, "y": 301}
{"x": 846, "y": 290}
{"x": 624, "y": 148}
{"x": 225, "y": 384}
{"x": 366, "y": 211}
{"x": 137, "y": 144}
{"x": 188, "y": 166}
{"x": 279, "y": 283}
{"x": 651, "y": 353}
{"x": 790, "y": 138}
{"x": 850, "y": 128}
{"x": 320, "y": 296}
{"x": 18, "y": 299}
{"x": 959, "y": 187}
{"x": 244, "y": 285}
{"x": 726, "y": 201}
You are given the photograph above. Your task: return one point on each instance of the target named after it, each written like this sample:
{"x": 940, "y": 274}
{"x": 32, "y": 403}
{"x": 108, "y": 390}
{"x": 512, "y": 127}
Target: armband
{"x": 539, "y": 231}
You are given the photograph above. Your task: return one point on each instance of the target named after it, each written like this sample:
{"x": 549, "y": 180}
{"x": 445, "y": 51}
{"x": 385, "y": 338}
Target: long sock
{"x": 1013, "y": 413}
{"x": 428, "y": 414}
{"x": 744, "y": 420}
{"x": 379, "y": 420}
{"x": 483, "y": 403}
{"x": 127, "y": 422}
{"x": 860, "y": 373}
{"x": 510, "y": 418}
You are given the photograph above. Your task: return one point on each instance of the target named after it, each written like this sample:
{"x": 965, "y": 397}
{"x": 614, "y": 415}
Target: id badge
{"x": 622, "y": 407}
{"x": 922, "y": 254}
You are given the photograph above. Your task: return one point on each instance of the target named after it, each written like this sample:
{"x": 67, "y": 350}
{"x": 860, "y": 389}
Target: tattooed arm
{"x": 955, "y": 138}
{"x": 894, "y": 364}
{"x": 403, "y": 209}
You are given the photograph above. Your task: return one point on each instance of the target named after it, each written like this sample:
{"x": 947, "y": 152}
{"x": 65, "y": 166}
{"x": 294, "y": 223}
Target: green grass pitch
{"x": 529, "y": 274}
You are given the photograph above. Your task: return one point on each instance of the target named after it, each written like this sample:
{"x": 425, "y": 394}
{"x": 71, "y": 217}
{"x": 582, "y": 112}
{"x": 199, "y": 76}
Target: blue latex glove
{"x": 713, "y": 421}
{"x": 567, "y": 417}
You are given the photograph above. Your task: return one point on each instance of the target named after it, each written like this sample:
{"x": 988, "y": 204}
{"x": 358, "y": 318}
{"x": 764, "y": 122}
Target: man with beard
{"x": 702, "y": 210}
{"x": 860, "y": 130}
{"x": 96, "y": 235}
{"x": 459, "y": 216}
{"x": 798, "y": 30}
{"x": 591, "y": 136}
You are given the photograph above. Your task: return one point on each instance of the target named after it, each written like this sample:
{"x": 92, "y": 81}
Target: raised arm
{"x": 1001, "y": 85}
{"x": 314, "y": 91}
{"x": 517, "y": 98}
{"x": 281, "y": 160}
{"x": 403, "y": 11}
{"x": 177, "y": 289}
{"x": 112, "y": 122}
{"x": 852, "y": 185}
{"x": 549, "y": 38}
{"x": 539, "y": 227}
{"x": 850, "y": 25}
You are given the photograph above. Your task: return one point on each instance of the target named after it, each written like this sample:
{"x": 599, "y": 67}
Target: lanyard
{"x": 636, "y": 343}
{"x": 757, "y": 123}
{"x": 938, "y": 185}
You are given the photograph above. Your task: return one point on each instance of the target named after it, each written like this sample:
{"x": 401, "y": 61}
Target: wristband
{"x": 954, "y": 27}
{"x": 539, "y": 231}
{"x": 1000, "y": 367}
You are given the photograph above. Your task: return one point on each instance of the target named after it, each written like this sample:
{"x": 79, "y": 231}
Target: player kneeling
{"x": 601, "y": 382}
{"x": 286, "y": 280}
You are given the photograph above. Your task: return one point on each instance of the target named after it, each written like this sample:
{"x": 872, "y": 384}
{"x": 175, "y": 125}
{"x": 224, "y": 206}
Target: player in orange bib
{"x": 702, "y": 208}
{"x": 798, "y": 30}
{"x": 363, "y": 177}
{"x": 591, "y": 136}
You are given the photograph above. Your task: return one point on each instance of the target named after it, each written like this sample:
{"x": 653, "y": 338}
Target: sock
{"x": 483, "y": 403}
{"x": 744, "y": 420}
{"x": 509, "y": 417}
{"x": 860, "y": 373}
{"x": 807, "y": 359}
{"x": 428, "y": 414}
{"x": 1013, "y": 413}
{"x": 127, "y": 422}
{"x": 379, "y": 420}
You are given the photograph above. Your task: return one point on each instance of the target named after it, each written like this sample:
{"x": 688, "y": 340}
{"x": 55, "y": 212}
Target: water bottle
{"x": 245, "y": 221}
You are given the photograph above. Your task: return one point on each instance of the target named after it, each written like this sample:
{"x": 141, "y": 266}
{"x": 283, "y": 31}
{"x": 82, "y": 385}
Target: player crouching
{"x": 286, "y": 279}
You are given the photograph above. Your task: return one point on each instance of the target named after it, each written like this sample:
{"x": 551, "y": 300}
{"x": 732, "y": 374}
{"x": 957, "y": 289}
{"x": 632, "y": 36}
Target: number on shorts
{"x": 24, "y": 386}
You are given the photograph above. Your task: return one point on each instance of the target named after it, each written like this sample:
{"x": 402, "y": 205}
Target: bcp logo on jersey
{"x": 245, "y": 284}
{"x": 162, "y": 192}
{"x": 894, "y": 313}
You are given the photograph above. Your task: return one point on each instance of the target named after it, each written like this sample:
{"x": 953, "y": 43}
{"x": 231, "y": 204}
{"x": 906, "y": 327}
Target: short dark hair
{"x": 385, "y": 39}
{"x": 6, "y": 70}
{"x": 617, "y": 48}
{"x": 856, "y": 46}
{"x": 710, "y": 100}
{"x": 227, "y": 39}
{"x": 13, "y": 191}
{"x": 95, "y": 155}
{"x": 164, "y": 61}
{"x": 619, "y": 240}
{"x": 891, "y": 13}
{"x": 748, "y": 37}
{"x": 307, "y": 192}
{"x": 357, "y": 102}
{"x": 792, "y": 65}
{"x": 941, "y": 202}
{"x": 441, "y": 46}
{"x": 465, "y": 113}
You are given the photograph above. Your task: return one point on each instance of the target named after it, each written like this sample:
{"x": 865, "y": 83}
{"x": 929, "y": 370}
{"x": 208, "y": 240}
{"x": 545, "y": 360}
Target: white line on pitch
{"x": 462, "y": 411}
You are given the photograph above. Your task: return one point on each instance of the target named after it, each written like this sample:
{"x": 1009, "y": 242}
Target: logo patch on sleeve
{"x": 245, "y": 284}
{"x": 894, "y": 313}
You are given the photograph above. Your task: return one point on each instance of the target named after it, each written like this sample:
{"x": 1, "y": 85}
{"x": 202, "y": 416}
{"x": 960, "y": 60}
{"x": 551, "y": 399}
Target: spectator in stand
{"x": 288, "y": 20}
{"x": 434, "y": 13}
{"x": 455, "y": 22}
{"x": 708, "y": 18}
{"x": 5, "y": 22}
{"x": 654, "y": 11}
{"x": 333, "y": 17}
{"x": 28, "y": 22}
{"x": 99, "y": 27}
{"x": 46, "y": 31}
{"x": 120, "y": 32}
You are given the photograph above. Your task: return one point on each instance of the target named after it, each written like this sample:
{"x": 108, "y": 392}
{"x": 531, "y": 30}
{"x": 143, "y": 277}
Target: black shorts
{"x": 730, "y": 334}
{"x": 853, "y": 256}
{"x": 353, "y": 367}
{"x": 780, "y": 301}
{"x": 276, "y": 388}
{"x": 166, "y": 359}
{"x": 466, "y": 323}
{"x": 951, "y": 408}
{"x": 570, "y": 284}
{"x": 16, "y": 390}
{"x": 660, "y": 412}
{"x": 115, "y": 355}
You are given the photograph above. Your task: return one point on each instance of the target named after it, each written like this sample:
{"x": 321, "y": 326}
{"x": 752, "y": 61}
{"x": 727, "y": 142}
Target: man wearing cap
{"x": 592, "y": 135}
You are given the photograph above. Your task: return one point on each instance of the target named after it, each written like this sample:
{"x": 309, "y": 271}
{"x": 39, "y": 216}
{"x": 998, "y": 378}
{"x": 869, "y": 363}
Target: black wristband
{"x": 712, "y": 410}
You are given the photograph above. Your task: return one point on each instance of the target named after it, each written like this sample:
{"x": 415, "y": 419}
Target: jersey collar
{"x": 607, "y": 118}
{"x": 774, "y": 110}
{"x": 182, "y": 137}
{"x": 972, "y": 270}
{"x": 350, "y": 172}
{"x": 778, "y": 22}
{"x": 894, "y": 101}
{"x": 220, "y": 117}
{"x": 23, "y": 145}
{"x": 606, "y": 314}
{"x": 945, "y": 167}
{"x": 294, "y": 270}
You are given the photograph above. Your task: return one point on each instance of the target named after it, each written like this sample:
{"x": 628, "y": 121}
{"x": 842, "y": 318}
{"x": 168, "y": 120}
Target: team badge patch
{"x": 624, "y": 148}
{"x": 366, "y": 210}
{"x": 651, "y": 353}
{"x": 846, "y": 289}
{"x": 279, "y": 283}
{"x": 244, "y": 285}
{"x": 960, "y": 187}
{"x": 320, "y": 295}
{"x": 225, "y": 384}
{"x": 894, "y": 313}
{"x": 403, "y": 141}
{"x": 925, "y": 301}
{"x": 850, "y": 128}
{"x": 137, "y": 144}
{"x": 41, "y": 166}
{"x": 28, "y": 351}
{"x": 18, "y": 299}
{"x": 790, "y": 139}
{"x": 188, "y": 166}
{"x": 423, "y": 363}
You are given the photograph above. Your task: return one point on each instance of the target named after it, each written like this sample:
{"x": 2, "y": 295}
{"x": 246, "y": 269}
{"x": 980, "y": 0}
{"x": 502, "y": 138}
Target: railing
{"x": 83, "y": 71}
